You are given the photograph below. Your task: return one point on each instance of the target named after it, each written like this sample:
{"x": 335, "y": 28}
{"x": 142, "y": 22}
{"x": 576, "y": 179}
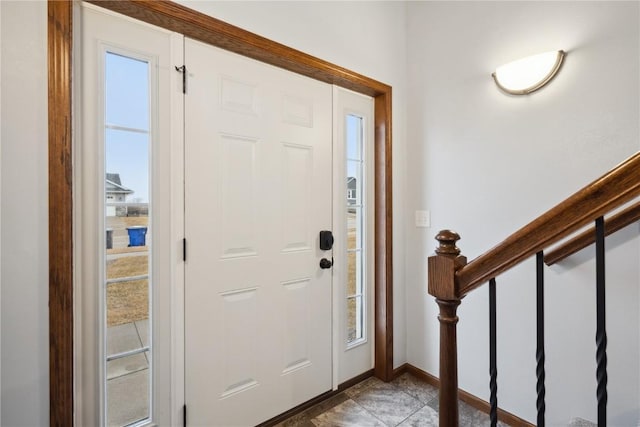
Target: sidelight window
{"x": 127, "y": 358}
{"x": 356, "y": 289}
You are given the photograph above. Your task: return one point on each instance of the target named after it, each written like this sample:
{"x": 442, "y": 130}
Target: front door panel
{"x": 257, "y": 192}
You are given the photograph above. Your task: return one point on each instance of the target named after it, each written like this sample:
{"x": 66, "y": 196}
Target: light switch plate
{"x": 423, "y": 219}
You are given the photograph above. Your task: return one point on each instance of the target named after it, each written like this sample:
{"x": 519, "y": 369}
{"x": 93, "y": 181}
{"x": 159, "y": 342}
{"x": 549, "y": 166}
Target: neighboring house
{"x": 115, "y": 192}
{"x": 351, "y": 190}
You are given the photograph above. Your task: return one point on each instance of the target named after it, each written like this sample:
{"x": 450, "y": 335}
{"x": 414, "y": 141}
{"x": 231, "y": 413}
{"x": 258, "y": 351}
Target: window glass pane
{"x": 352, "y": 287}
{"x": 354, "y": 129}
{"x": 355, "y": 319}
{"x": 127, "y": 263}
{"x": 127, "y": 164}
{"x": 354, "y": 228}
{"x": 129, "y": 398}
{"x": 354, "y": 273}
{"x": 127, "y": 92}
{"x": 354, "y": 183}
{"x": 351, "y": 319}
{"x": 359, "y": 277}
{"x": 359, "y": 318}
{"x": 127, "y": 302}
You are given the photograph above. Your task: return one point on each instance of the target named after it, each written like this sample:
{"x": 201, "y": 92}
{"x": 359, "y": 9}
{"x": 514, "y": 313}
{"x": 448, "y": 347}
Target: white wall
{"x": 0, "y": 220}
{"x": 24, "y": 247}
{"x": 366, "y": 37}
{"x": 486, "y": 163}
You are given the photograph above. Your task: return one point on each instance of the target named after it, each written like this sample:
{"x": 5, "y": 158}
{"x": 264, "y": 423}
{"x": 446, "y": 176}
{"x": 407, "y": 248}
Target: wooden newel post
{"x": 442, "y": 269}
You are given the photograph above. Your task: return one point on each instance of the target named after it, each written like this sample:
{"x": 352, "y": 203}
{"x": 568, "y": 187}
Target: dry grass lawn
{"x": 132, "y": 221}
{"x": 127, "y": 266}
{"x": 351, "y": 287}
{"x": 127, "y": 250}
{"x": 128, "y": 301}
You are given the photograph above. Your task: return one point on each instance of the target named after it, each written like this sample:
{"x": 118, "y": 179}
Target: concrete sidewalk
{"x": 128, "y": 378}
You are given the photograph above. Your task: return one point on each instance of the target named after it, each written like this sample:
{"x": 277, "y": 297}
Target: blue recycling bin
{"x": 137, "y": 235}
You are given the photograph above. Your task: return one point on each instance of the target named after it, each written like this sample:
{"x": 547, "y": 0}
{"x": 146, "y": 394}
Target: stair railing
{"x": 451, "y": 278}
{"x": 612, "y": 224}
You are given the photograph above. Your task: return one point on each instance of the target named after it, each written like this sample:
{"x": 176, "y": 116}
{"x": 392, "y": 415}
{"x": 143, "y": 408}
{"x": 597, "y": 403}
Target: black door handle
{"x": 325, "y": 263}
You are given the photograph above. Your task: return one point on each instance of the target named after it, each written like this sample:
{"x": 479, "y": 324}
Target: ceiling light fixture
{"x": 529, "y": 74}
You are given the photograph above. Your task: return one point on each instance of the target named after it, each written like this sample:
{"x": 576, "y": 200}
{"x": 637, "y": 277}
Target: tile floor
{"x": 406, "y": 401}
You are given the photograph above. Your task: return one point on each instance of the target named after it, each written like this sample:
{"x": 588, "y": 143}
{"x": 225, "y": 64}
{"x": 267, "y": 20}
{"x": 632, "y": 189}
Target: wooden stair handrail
{"x": 450, "y": 277}
{"x": 612, "y": 224}
{"x": 608, "y": 192}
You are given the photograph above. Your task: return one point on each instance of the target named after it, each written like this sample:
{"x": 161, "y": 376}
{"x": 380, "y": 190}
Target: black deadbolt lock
{"x": 326, "y": 240}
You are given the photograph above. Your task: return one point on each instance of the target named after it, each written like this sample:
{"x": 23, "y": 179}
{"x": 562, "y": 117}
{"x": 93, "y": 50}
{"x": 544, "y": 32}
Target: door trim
{"x": 209, "y": 30}
{"x": 61, "y": 308}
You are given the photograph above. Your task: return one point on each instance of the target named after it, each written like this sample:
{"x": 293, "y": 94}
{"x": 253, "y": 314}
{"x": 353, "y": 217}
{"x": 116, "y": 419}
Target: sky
{"x": 127, "y": 105}
{"x": 354, "y": 145}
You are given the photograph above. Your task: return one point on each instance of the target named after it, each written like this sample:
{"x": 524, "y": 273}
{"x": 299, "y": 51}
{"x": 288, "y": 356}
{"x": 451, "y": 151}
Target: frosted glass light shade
{"x": 529, "y": 74}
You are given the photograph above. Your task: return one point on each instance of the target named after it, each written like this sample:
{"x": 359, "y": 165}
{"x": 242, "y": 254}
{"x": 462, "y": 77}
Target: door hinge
{"x": 183, "y": 70}
{"x": 184, "y": 416}
{"x": 184, "y": 249}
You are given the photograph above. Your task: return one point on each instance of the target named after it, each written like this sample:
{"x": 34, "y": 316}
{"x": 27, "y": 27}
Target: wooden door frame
{"x": 199, "y": 26}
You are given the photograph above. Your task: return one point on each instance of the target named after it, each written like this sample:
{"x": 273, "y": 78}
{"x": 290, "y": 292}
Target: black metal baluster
{"x": 540, "y": 374}
{"x": 493, "y": 369}
{"x": 601, "y": 332}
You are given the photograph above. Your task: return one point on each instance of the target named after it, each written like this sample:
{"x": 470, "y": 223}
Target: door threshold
{"x": 320, "y": 399}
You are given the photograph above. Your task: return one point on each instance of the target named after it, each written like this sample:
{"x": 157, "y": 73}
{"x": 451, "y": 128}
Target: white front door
{"x": 258, "y": 179}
